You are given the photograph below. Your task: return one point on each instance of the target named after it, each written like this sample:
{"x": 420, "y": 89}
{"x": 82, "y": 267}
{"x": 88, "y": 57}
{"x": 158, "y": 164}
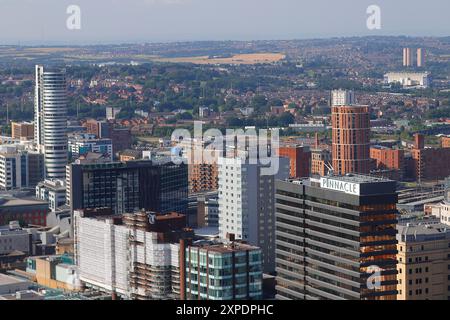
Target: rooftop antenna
{"x": 330, "y": 169}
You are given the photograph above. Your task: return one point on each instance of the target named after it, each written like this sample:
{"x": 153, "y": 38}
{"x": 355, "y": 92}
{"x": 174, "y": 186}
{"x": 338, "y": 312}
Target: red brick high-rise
{"x": 300, "y": 159}
{"x": 351, "y": 139}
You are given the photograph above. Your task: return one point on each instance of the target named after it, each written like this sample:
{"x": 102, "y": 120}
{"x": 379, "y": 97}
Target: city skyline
{"x": 181, "y": 167}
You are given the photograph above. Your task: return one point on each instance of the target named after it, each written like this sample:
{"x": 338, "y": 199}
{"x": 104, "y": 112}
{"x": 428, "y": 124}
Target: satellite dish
{"x": 151, "y": 218}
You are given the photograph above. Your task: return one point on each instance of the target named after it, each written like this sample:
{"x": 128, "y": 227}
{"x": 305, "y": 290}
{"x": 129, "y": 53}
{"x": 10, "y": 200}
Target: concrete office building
{"x": 223, "y": 271}
{"x": 159, "y": 186}
{"x": 50, "y": 112}
{"x": 423, "y": 261}
{"x": 208, "y": 210}
{"x": 81, "y": 144}
{"x": 19, "y": 167}
{"x": 351, "y": 139}
{"x": 247, "y": 204}
{"x": 330, "y": 235}
{"x": 53, "y": 191}
{"x": 13, "y": 238}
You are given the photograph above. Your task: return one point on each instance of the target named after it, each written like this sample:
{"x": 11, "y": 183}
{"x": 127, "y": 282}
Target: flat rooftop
{"x": 6, "y": 280}
{"x": 418, "y": 231}
{"x": 218, "y": 247}
{"x": 7, "y": 201}
{"x": 358, "y": 178}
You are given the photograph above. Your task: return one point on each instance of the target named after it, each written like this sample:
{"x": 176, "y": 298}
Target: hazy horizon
{"x": 43, "y": 22}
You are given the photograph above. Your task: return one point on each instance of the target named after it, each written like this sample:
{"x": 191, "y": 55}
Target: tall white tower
{"x": 247, "y": 204}
{"x": 51, "y": 120}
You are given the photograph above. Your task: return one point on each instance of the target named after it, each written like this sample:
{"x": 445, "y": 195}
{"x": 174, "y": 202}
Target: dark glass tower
{"x": 332, "y": 236}
{"x": 129, "y": 186}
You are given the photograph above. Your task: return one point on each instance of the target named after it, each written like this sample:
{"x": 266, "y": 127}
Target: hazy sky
{"x": 106, "y": 21}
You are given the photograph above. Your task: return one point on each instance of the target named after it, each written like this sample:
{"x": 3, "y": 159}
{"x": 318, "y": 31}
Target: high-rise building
{"x": 420, "y": 57}
{"x": 423, "y": 261}
{"x": 50, "y": 132}
{"x": 342, "y": 97}
{"x": 332, "y": 235}
{"x": 247, "y": 204}
{"x": 159, "y": 186}
{"x": 300, "y": 159}
{"x": 407, "y": 57}
{"x": 134, "y": 255}
{"x": 221, "y": 271}
{"x": 351, "y": 139}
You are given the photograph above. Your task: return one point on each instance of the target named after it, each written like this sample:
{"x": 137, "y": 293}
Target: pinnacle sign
{"x": 338, "y": 185}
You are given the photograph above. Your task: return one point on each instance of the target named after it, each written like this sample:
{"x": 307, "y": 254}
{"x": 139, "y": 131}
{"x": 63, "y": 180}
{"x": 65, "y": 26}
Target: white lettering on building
{"x": 339, "y": 185}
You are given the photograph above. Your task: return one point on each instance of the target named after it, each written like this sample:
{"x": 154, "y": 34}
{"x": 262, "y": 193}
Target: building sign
{"x": 339, "y": 185}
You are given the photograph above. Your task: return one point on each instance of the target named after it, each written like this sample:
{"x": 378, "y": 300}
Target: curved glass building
{"x": 51, "y": 120}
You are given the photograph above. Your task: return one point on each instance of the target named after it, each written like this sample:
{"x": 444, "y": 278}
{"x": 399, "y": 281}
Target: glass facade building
{"x": 129, "y": 186}
{"x": 223, "y": 272}
{"x": 329, "y": 243}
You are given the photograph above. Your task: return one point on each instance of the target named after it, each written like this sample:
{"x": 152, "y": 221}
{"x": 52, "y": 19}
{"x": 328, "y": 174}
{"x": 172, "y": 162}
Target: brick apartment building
{"x": 387, "y": 159}
{"x": 428, "y": 163}
{"x": 300, "y": 159}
